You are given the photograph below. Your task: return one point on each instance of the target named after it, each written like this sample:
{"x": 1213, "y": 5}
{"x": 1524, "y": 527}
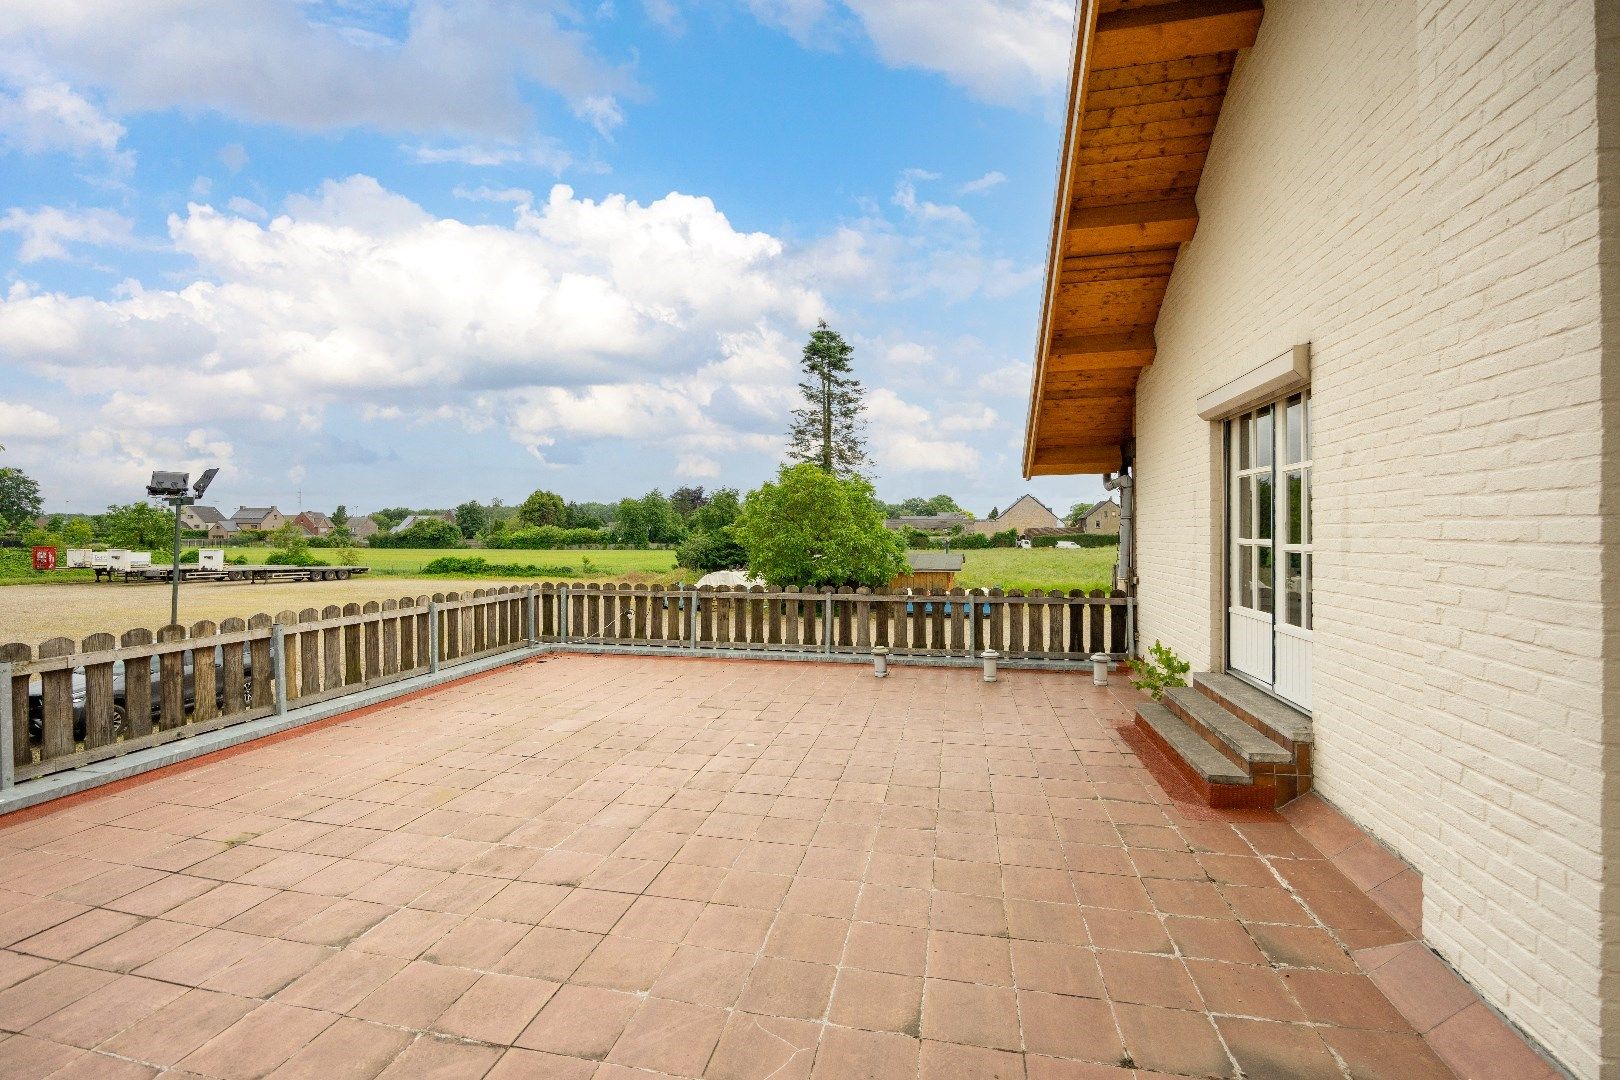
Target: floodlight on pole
{"x": 175, "y": 489}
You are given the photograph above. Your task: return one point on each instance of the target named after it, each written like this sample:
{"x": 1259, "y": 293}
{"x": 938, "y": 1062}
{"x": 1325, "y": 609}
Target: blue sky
{"x": 380, "y": 252}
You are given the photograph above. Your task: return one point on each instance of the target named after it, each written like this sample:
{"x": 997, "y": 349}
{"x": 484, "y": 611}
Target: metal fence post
{"x": 8, "y": 764}
{"x": 530, "y": 616}
{"x": 433, "y": 637}
{"x": 563, "y": 607}
{"x": 826, "y": 623}
{"x": 278, "y": 665}
{"x": 972, "y": 619}
{"x": 692, "y": 616}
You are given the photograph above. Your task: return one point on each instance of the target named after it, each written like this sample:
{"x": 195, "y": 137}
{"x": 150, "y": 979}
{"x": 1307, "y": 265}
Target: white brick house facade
{"x": 1413, "y": 188}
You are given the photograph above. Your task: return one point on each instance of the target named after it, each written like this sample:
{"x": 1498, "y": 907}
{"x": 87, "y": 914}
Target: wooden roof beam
{"x": 1099, "y": 352}
{"x": 1100, "y": 230}
{"x": 1175, "y": 31}
{"x": 1069, "y": 460}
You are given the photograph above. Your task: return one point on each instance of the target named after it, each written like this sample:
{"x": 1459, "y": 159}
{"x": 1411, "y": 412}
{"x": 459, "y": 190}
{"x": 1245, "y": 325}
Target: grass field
{"x": 45, "y": 605}
{"x": 1005, "y": 568}
{"x": 1038, "y": 568}
{"x": 648, "y": 566}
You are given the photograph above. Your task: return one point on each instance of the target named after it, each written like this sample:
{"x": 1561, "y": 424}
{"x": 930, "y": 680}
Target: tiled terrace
{"x": 623, "y": 867}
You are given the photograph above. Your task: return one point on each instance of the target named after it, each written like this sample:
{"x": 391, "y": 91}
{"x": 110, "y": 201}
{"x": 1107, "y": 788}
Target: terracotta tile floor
{"x": 626, "y": 867}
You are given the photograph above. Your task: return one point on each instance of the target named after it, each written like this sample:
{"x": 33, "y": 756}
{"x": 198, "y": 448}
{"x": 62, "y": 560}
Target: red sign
{"x": 44, "y": 558}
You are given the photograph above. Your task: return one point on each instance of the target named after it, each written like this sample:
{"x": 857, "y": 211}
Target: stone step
{"x": 1284, "y": 724}
{"x": 1202, "y": 759}
{"x": 1230, "y": 736}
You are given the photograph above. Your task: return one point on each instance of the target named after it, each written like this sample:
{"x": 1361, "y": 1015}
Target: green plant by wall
{"x": 1159, "y": 671}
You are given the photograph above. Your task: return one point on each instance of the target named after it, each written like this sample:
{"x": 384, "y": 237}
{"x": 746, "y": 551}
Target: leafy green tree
{"x": 340, "y": 516}
{"x": 812, "y": 528}
{"x": 995, "y": 512}
{"x": 647, "y": 520}
{"x": 138, "y": 526}
{"x": 920, "y": 507}
{"x": 687, "y": 500}
{"x": 472, "y": 518}
{"x": 1077, "y": 514}
{"x": 709, "y": 543}
{"x": 828, "y": 430}
{"x": 589, "y": 515}
{"x": 77, "y": 532}
{"x": 664, "y": 525}
{"x": 543, "y": 508}
{"x": 388, "y": 517}
{"x": 20, "y": 501}
{"x": 292, "y": 544}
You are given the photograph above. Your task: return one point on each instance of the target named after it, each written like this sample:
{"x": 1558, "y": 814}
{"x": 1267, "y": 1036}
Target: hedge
{"x": 1085, "y": 540}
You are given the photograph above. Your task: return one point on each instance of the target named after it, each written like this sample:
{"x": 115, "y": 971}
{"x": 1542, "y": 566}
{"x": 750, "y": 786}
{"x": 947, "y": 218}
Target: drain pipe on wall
{"x": 1125, "y": 484}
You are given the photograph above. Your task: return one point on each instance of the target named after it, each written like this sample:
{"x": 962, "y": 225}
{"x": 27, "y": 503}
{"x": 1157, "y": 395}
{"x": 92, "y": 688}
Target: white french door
{"x": 1268, "y": 512}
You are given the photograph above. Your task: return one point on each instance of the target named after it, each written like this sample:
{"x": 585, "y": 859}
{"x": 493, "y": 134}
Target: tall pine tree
{"x": 829, "y": 430}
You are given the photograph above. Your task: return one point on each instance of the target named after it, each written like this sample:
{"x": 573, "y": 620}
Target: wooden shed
{"x": 930, "y": 570}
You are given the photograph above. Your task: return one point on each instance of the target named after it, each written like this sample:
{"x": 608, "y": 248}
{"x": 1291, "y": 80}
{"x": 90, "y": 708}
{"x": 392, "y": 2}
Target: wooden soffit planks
{"x": 1146, "y": 89}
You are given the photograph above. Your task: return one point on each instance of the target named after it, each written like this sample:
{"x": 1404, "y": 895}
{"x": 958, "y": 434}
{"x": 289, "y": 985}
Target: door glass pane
{"x": 1262, "y": 437}
{"x": 1293, "y": 590}
{"x": 1262, "y": 506}
{"x": 1296, "y": 430}
{"x": 1245, "y": 585}
{"x": 1296, "y": 507}
{"x": 1305, "y": 507}
{"x": 1245, "y": 507}
{"x": 1305, "y": 590}
{"x": 1242, "y": 427}
{"x": 1262, "y": 581}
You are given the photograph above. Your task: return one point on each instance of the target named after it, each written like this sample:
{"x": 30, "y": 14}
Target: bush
{"x": 1159, "y": 671}
{"x": 480, "y": 567}
{"x": 426, "y": 533}
{"x": 811, "y": 528}
{"x": 293, "y": 558}
{"x": 708, "y": 551}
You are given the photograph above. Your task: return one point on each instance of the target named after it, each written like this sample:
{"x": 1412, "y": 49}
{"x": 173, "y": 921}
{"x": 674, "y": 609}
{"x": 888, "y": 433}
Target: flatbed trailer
{"x": 156, "y": 574}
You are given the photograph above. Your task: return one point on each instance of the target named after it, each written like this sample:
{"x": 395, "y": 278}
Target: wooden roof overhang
{"x": 1145, "y": 93}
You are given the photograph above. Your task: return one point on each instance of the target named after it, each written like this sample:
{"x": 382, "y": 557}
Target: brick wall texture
{"x": 1412, "y": 186}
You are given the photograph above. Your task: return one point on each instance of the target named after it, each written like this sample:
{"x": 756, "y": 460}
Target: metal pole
{"x": 433, "y": 637}
{"x": 562, "y": 613}
{"x": 972, "y": 619}
{"x": 826, "y": 623}
{"x": 278, "y": 664}
{"x": 8, "y": 767}
{"x": 529, "y": 614}
{"x": 174, "y": 587}
{"x": 1130, "y": 626}
{"x": 692, "y": 616}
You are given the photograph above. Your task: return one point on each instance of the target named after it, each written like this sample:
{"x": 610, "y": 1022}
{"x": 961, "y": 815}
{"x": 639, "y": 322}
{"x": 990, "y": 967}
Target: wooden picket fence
{"x": 105, "y": 697}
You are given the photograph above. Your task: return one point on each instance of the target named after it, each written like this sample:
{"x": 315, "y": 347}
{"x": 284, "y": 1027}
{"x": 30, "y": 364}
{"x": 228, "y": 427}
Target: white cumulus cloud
{"x": 19, "y": 421}
{"x": 443, "y": 68}
{"x": 49, "y": 232}
{"x": 581, "y": 319}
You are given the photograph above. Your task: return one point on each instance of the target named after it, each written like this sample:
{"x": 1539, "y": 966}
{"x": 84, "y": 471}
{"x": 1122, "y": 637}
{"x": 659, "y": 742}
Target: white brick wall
{"x": 1412, "y": 187}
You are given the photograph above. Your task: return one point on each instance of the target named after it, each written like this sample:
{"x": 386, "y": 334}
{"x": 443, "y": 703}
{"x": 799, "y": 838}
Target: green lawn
{"x": 1005, "y": 568}
{"x": 1038, "y": 568}
{"x": 649, "y": 566}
